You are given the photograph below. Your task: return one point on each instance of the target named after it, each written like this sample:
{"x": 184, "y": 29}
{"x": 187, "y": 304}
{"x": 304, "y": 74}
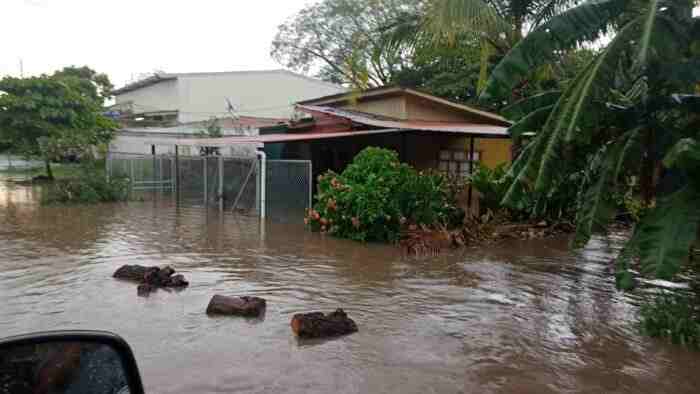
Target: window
{"x": 455, "y": 162}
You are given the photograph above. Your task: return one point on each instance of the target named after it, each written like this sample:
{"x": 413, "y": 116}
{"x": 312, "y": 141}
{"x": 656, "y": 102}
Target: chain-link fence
{"x": 229, "y": 183}
{"x": 147, "y": 173}
{"x": 289, "y": 191}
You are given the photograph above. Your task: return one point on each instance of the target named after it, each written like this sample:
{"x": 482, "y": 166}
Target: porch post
{"x": 403, "y": 148}
{"x": 471, "y": 170}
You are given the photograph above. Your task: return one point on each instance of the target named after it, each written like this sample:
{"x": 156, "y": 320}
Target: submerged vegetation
{"x": 675, "y": 317}
{"x": 88, "y": 185}
{"x": 377, "y": 196}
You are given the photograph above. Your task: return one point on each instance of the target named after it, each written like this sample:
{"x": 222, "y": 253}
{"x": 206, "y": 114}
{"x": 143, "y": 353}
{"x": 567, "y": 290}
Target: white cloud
{"x": 128, "y": 37}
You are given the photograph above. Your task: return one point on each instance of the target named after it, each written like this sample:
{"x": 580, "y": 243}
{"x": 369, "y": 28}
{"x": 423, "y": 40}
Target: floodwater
{"x": 521, "y": 317}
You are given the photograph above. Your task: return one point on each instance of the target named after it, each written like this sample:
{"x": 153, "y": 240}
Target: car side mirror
{"x": 68, "y": 362}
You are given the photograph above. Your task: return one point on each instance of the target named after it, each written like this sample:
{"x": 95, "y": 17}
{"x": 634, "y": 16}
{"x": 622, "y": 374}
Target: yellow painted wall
{"x": 423, "y": 148}
{"x": 492, "y": 151}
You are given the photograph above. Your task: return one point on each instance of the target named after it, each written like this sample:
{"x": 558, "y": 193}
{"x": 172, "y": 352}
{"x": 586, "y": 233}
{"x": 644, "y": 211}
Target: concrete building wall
{"x": 161, "y": 96}
{"x": 269, "y": 94}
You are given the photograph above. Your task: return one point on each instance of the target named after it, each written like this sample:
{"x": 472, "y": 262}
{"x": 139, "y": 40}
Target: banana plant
{"x": 634, "y": 107}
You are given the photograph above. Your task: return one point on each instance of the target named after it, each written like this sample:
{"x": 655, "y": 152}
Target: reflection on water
{"x": 524, "y": 317}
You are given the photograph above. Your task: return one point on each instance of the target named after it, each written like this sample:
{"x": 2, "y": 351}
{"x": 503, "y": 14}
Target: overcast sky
{"x": 127, "y": 37}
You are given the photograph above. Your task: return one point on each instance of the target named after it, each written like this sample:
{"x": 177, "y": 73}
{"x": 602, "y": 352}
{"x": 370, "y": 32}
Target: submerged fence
{"x": 225, "y": 182}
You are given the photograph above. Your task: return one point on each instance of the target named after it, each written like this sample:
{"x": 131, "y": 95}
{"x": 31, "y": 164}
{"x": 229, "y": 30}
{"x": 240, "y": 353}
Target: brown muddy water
{"x": 521, "y": 317}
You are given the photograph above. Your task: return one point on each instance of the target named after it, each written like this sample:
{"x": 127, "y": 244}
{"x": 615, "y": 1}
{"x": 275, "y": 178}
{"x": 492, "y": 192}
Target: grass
{"x": 61, "y": 171}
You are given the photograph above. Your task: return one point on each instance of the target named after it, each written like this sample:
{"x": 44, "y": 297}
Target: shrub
{"x": 674, "y": 317}
{"x": 91, "y": 186}
{"x": 376, "y": 196}
{"x": 491, "y": 184}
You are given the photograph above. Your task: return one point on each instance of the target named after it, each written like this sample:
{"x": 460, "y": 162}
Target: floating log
{"x": 318, "y": 325}
{"x": 150, "y": 278}
{"x": 236, "y": 306}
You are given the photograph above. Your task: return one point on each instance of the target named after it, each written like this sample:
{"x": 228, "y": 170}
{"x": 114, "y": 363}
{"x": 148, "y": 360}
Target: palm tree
{"x": 633, "y": 107}
{"x": 498, "y": 24}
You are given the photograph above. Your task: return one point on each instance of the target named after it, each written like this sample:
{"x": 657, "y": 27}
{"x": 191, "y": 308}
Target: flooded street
{"x": 521, "y": 317}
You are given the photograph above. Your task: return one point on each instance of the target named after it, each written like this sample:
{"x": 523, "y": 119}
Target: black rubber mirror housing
{"x": 80, "y": 339}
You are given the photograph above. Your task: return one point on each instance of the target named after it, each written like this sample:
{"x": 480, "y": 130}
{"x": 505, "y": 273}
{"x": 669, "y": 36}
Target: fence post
{"x": 206, "y": 182}
{"x": 131, "y": 174}
{"x": 177, "y": 176}
{"x": 160, "y": 173}
{"x": 311, "y": 185}
{"x": 108, "y": 165}
{"x": 221, "y": 184}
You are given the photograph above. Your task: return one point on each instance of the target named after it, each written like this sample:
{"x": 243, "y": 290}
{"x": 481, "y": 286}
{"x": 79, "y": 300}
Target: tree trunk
{"x": 49, "y": 173}
{"x": 648, "y": 168}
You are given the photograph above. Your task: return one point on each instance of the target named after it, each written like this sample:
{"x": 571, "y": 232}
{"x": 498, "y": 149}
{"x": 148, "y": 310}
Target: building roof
{"x": 363, "y": 118}
{"x": 160, "y": 77}
{"x": 396, "y": 90}
{"x": 262, "y": 139}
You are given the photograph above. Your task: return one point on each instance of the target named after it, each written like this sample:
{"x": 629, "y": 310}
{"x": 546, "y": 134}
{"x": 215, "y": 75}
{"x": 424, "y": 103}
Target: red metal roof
{"x": 263, "y": 139}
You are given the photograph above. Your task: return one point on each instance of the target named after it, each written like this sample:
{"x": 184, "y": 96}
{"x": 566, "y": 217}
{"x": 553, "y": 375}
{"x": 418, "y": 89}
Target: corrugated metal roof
{"x": 263, "y": 139}
{"x": 393, "y": 90}
{"x": 383, "y": 121}
{"x": 172, "y": 76}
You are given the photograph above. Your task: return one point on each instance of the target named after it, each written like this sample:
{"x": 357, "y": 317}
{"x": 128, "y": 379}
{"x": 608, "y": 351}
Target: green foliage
{"x": 376, "y": 196}
{"x": 49, "y": 116}
{"x": 629, "y": 109}
{"x": 666, "y": 233}
{"x": 497, "y": 25}
{"x": 345, "y": 39}
{"x": 567, "y": 30}
{"x": 90, "y": 186}
{"x": 492, "y": 184}
{"x": 211, "y": 130}
{"x": 674, "y": 317}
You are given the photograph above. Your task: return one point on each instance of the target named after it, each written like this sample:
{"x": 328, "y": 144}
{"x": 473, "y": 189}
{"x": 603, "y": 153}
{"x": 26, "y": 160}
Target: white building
{"x": 178, "y": 105}
{"x": 193, "y": 97}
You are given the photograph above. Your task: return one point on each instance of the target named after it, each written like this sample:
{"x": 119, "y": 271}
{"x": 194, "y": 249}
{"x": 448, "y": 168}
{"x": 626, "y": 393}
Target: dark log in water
{"x": 237, "y": 306}
{"x": 318, "y": 325}
{"x": 151, "y": 278}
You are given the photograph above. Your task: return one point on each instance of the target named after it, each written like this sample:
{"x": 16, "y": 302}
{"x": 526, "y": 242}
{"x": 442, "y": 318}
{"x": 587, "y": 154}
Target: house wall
{"x": 162, "y": 96}
{"x": 387, "y": 106}
{"x": 255, "y": 93}
{"x": 424, "y": 148}
{"x": 418, "y": 108}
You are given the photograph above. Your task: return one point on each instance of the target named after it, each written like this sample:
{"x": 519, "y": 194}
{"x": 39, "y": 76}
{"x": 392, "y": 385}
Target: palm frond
{"x": 584, "y": 23}
{"x": 531, "y": 122}
{"x": 525, "y": 106}
{"x": 685, "y": 155}
{"x": 597, "y": 206}
{"x": 666, "y": 233}
{"x": 448, "y": 18}
{"x": 650, "y": 18}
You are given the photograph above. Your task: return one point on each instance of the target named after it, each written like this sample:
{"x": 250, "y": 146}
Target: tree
{"x": 49, "y": 116}
{"x": 211, "y": 129}
{"x": 344, "y": 41}
{"x": 632, "y": 112}
{"x": 498, "y": 25}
